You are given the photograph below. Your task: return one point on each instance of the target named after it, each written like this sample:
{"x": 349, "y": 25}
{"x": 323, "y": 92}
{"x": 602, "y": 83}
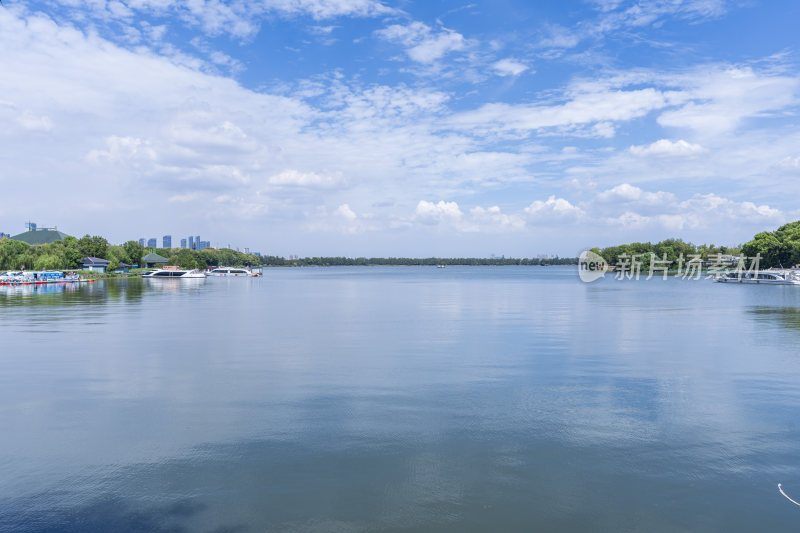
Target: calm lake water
{"x": 399, "y": 399}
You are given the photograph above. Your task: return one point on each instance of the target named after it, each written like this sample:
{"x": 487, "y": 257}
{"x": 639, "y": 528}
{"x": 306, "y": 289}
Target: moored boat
{"x": 763, "y": 277}
{"x": 173, "y": 272}
{"x": 230, "y": 272}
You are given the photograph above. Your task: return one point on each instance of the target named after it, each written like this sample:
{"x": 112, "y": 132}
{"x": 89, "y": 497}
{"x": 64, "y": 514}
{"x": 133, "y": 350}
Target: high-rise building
{"x": 6, "y": 235}
{"x": 202, "y": 245}
{"x": 183, "y": 243}
{"x": 167, "y": 241}
{"x": 197, "y": 242}
{"x": 141, "y": 241}
{"x": 151, "y": 243}
{"x": 191, "y": 242}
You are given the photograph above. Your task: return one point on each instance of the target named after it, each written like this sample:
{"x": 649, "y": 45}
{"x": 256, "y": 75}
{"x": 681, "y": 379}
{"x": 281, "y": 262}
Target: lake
{"x": 399, "y": 399}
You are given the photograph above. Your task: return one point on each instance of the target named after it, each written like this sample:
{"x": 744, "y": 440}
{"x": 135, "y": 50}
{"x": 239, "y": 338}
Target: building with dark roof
{"x": 40, "y": 236}
{"x": 153, "y": 260}
{"x": 94, "y": 264}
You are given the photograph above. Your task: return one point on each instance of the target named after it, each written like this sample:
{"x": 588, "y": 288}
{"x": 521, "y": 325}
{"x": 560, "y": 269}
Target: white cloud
{"x": 553, "y": 209}
{"x": 509, "y": 67}
{"x": 423, "y": 44}
{"x": 430, "y": 213}
{"x": 665, "y": 147}
{"x": 295, "y": 178}
{"x": 344, "y": 211}
{"x": 717, "y": 101}
{"x": 630, "y": 16}
{"x": 627, "y": 193}
{"x": 33, "y": 122}
{"x": 214, "y": 17}
{"x": 599, "y": 107}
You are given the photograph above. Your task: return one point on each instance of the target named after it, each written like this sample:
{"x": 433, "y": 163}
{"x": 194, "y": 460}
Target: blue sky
{"x": 365, "y": 127}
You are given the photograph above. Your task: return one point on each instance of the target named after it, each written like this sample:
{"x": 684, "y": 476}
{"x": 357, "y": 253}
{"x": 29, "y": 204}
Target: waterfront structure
{"x": 183, "y": 243}
{"x": 153, "y": 260}
{"x": 94, "y": 264}
{"x": 36, "y": 235}
{"x": 122, "y": 268}
{"x": 166, "y": 241}
{"x": 151, "y": 243}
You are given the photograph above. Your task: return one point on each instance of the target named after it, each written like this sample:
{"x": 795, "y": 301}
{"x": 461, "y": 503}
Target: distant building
{"x": 151, "y": 243}
{"x": 258, "y": 254}
{"x": 197, "y": 242}
{"x": 183, "y": 243}
{"x": 167, "y": 241}
{"x": 122, "y": 268}
{"x": 6, "y": 235}
{"x": 203, "y": 245}
{"x": 191, "y": 243}
{"x": 247, "y": 250}
{"x": 94, "y": 264}
{"x": 142, "y": 242}
{"x": 39, "y": 235}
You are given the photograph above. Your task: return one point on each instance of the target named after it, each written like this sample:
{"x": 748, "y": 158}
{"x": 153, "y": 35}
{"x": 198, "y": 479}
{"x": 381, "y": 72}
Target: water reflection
{"x": 399, "y": 399}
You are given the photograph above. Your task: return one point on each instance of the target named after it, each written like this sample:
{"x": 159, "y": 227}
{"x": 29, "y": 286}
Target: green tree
{"x": 11, "y": 253}
{"x": 93, "y": 246}
{"x": 133, "y": 252}
{"x": 48, "y": 262}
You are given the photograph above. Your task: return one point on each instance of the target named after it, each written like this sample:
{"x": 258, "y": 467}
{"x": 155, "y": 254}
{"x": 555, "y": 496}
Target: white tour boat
{"x": 172, "y": 272}
{"x": 763, "y": 277}
{"x": 229, "y": 271}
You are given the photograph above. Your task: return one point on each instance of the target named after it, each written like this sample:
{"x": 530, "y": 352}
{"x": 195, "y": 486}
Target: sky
{"x": 398, "y": 127}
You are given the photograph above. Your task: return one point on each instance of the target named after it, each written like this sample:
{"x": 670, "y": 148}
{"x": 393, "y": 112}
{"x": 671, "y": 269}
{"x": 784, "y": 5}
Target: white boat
{"x": 763, "y": 277}
{"x": 172, "y": 272}
{"x": 229, "y": 271}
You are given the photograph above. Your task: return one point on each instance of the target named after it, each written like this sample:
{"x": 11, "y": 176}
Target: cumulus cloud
{"x": 430, "y": 213}
{"x": 344, "y": 211}
{"x": 665, "y": 147}
{"x": 627, "y": 193}
{"x": 552, "y": 209}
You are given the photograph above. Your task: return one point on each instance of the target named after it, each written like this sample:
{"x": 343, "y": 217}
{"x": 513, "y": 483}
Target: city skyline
{"x": 405, "y": 128}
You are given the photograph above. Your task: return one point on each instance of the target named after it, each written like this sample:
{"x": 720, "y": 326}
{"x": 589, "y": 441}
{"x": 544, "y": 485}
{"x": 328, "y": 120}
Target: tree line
{"x": 673, "y": 249}
{"x": 779, "y": 248}
{"x": 68, "y": 253}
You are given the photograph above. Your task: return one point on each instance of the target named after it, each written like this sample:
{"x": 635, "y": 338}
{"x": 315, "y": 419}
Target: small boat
{"x": 441, "y": 266}
{"x": 172, "y": 272}
{"x": 230, "y": 272}
{"x": 763, "y": 277}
